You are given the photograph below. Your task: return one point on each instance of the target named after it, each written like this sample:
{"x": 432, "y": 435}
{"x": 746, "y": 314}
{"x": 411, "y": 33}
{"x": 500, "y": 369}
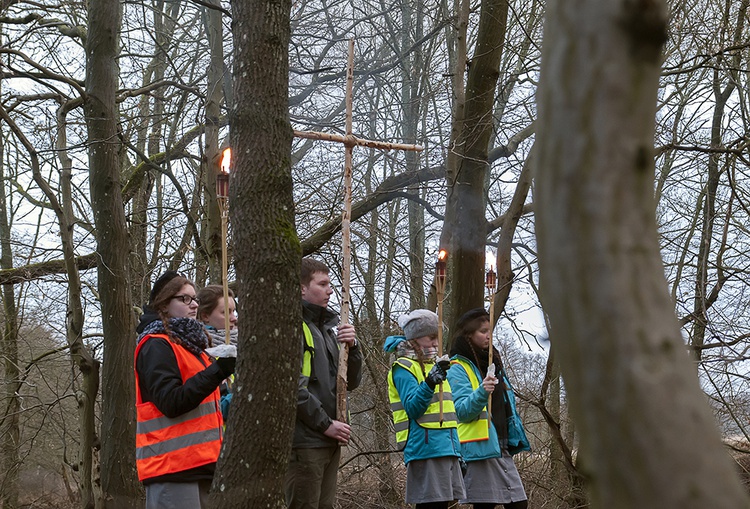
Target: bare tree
{"x": 648, "y": 438}
{"x": 464, "y": 231}
{"x": 10, "y": 417}
{"x": 119, "y": 481}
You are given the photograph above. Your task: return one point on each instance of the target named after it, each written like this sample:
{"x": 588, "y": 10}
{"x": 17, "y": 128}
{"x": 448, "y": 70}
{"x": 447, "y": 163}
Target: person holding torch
{"x": 489, "y": 427}
{"x": 426, "y": 430}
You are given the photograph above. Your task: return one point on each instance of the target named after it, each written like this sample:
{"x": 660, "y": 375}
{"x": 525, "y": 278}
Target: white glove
{"x": 222, "y": 351}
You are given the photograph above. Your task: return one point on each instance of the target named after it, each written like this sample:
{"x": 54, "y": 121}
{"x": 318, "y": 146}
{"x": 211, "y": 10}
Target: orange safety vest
{"x": 168, "y": 445}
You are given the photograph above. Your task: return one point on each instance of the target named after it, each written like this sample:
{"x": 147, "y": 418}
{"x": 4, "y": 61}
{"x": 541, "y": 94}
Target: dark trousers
{"x": 310, "y": 481}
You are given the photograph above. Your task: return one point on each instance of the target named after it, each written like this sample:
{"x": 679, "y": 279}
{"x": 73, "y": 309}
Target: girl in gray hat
{"x": 426, "y": 429}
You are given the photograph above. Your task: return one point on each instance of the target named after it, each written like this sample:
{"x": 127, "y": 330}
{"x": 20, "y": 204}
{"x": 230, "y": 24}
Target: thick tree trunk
{"x": 118, "y": 477}
{"x": 648, "y": 438}
{"x": 465, "y": 220}
{"x": 267, "y": 253}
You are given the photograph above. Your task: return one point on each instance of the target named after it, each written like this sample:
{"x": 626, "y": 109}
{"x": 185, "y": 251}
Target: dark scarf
{"x": 481, "y": 359}
{"x": 184, "y": 331}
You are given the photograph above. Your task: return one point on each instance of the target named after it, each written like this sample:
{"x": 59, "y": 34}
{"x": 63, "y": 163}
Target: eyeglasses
{"x": 187, "y": 299}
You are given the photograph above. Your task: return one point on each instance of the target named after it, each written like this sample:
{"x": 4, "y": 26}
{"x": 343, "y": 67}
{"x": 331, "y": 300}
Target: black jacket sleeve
{"x": 161, "y": 382}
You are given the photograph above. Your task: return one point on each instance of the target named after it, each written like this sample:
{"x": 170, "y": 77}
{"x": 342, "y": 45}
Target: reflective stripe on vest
{"x": 431, "y": 418}
{"x": 167, "y": 445}
{"x": 478, "y": 429}
{"x": 307, "y": 355}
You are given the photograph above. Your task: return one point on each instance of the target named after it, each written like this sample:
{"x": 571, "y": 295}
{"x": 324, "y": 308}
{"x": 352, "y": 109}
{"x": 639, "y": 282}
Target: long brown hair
{"x": 467, "y": 325}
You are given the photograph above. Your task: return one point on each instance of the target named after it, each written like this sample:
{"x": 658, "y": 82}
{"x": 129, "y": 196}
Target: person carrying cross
{"x": 310, "y": 481}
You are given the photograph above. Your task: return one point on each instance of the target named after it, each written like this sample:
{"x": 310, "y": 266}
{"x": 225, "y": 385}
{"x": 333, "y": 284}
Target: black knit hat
{"x": 161, "y": 282}
{"x": 471, "y": 315}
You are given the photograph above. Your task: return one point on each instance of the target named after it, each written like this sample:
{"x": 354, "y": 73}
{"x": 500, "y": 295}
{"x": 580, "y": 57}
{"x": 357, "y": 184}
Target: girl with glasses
{"x": 179, "y": 428}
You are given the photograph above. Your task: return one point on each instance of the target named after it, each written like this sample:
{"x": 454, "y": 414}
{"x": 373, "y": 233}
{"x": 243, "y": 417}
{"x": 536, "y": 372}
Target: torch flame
{"x": 489, "y": 259}
{"x": 442, "y": 255}
{"x": 226, "y": 160}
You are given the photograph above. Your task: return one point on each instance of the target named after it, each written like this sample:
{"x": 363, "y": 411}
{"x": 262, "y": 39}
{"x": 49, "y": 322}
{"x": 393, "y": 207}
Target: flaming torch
{"x": 490, "y": 283}
{"x": 222, "y": 196}
{"x": 440, "y": 267}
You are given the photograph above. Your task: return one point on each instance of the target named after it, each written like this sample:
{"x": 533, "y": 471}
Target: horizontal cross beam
{"x": 351, "y": 141}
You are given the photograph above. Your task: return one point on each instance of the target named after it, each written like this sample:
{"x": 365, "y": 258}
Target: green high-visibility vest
{"x": 307, "y": 356}
{"x": 431, "y": 418}
{"x": 478, "y": 429}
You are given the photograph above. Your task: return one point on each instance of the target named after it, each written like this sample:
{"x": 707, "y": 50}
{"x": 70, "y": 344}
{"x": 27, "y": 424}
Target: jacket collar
{"x": 319, "y": 315}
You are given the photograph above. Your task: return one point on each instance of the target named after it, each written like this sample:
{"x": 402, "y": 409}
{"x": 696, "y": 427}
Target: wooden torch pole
{"x": 490, "y": 283}
{"x": 440, "y": 268}
{"x": 222, "y": 196}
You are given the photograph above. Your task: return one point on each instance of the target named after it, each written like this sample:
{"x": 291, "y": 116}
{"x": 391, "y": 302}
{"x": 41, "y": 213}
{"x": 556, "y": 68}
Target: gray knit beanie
{"x": 419, "y": 323}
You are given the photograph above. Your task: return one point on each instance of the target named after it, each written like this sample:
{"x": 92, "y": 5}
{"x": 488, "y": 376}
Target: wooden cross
{"x": 349, "y": 141}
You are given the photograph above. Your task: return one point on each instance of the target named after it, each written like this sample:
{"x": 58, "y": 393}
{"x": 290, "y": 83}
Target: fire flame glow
{"x": 226, "y": 160}
{"x": 442, "y": 255}
{"x": 489, "y": 259}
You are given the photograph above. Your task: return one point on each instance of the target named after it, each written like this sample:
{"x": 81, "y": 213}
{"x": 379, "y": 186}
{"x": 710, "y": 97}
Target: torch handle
{"x": 439, "y": 291}
{"x": 225, "y": 271}
{"x": 491, "y": 292}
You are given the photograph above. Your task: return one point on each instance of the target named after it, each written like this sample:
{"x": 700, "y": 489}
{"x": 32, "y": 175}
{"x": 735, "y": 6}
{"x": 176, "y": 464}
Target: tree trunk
{"x": 411, "y": 70}
{"x": 212, "y": 156}
{"x": 465, "y": 209}
{"x": 648, "y": 438}
{"x": 118, "y": 475}
{"x": 702, "y": 300}
{"x": 505, "y": 241}
{"x": 267, "y": 256}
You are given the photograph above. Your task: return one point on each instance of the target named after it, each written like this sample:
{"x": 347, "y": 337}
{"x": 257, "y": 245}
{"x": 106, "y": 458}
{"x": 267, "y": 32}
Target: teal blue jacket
{"x": 422, "y": 443}
{"x": 470, "y": 402}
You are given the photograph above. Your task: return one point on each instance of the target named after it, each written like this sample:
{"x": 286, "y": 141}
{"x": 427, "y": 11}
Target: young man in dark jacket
{"x": 311, "y": 476}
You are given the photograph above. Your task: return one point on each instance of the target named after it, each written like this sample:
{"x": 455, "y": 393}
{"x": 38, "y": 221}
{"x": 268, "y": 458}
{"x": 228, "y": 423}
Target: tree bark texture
{"x": 648, "y": 438}
{"x": 465, "y": 209}
{"x": 267, "y": 257}
{"x": 118, "y": 476}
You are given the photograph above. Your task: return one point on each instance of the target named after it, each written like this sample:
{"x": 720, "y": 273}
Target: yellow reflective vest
{"x": 309, "y": 351}
{"x": 478, "y": 429}
{"x": 431, "y": 418}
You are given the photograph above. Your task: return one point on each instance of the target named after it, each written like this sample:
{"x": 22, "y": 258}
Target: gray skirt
{"x": 434, "y": 480}
{"x": 494, "y": 481}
